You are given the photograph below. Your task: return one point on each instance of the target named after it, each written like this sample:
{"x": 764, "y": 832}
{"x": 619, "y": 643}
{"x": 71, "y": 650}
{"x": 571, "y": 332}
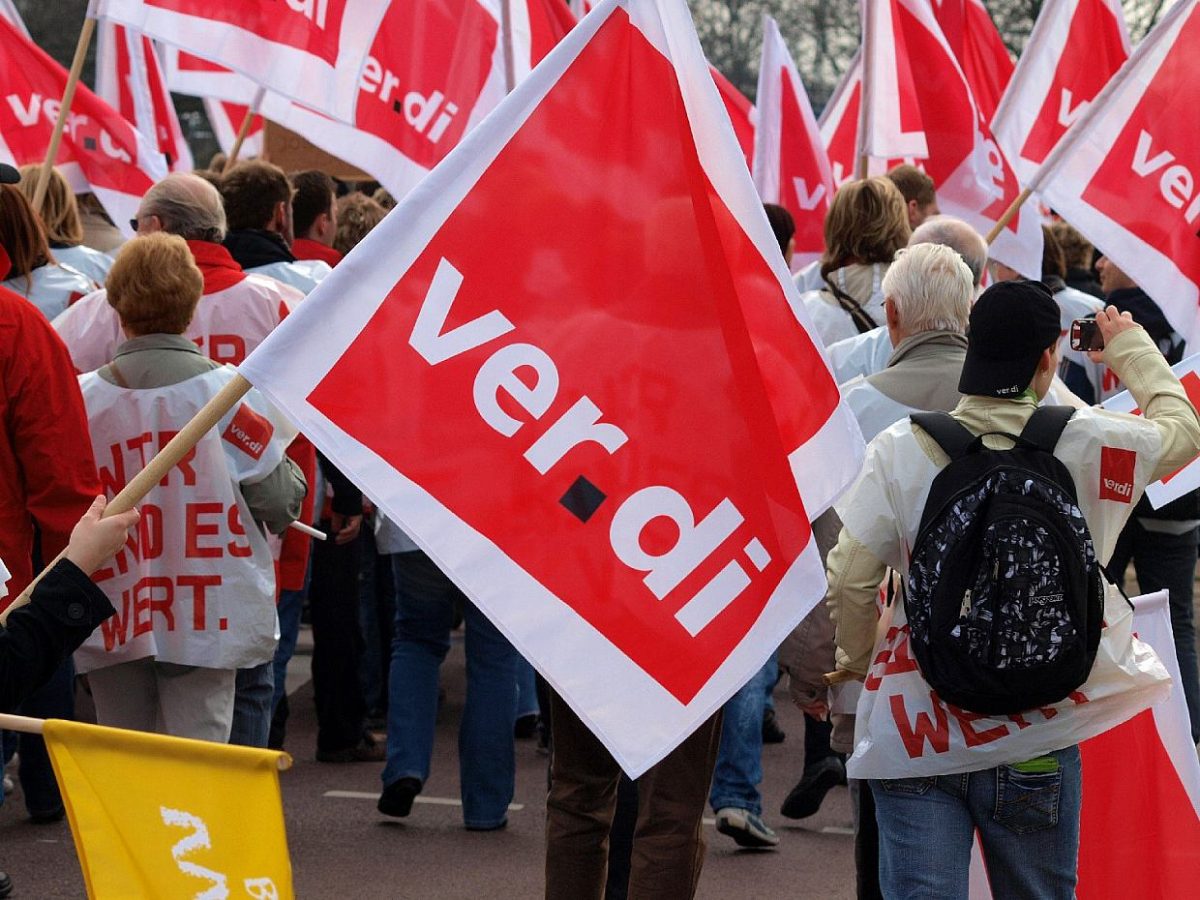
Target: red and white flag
{"x": 741, "y": 113}
{"x": 1139, "y": 827}
{"x": 582, "y": 7}
{"x": 623, "y": 482}
{"x": 100, "y": 151}
{"x": 979, "y": 49}
{"x": 919, "y": 104}
{"x": 1128, "y": 174}
{"x": 791, "y": 167}
{"x": 1075, "y": 48}
{"x": 839, "y": 123}
{"x": 130, "y": 79}
{"x": 226, "y": 120}
{"x": 197, "y": 77}
{"x": 309, "y": 50}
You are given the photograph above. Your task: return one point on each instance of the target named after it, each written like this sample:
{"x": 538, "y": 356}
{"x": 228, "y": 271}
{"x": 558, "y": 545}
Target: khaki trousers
{"x": 668, "y": 844}
{"x": 165, "y": 698}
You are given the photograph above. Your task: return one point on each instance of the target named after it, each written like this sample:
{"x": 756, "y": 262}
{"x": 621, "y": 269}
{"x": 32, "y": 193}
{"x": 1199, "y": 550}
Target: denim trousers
{"x": 1167, "y": 561}
{"x": 739, "y": 759}
{"x": 252, "y": 702}
{"x": 1028, "y": 822}
{"x": 425, "y": 601}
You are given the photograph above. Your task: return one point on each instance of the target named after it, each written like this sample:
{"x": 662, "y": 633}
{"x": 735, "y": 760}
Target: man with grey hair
{"x": 927, "y": 298}
{"x": 238, "y": 309}
{"x": 866, "y": 354}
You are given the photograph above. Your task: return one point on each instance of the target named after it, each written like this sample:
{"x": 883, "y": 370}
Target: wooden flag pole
{"x": 247, "y": 121}
{"x": 159, "y": 467}
{"x": 510, "y": 63}
{"x": 1008, "y": 215}
{"x": 81, "y": 48}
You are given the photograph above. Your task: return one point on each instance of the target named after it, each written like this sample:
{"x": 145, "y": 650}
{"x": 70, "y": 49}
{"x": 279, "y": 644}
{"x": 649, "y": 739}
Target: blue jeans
{"x": 1028, "y": 826}
{"x": 527, "y": 698}
{"x": 739, "y": 760}
{"x": 1167, "y": 561}
{"x": 425, "y": 600}
{"x": 252, "y": 705}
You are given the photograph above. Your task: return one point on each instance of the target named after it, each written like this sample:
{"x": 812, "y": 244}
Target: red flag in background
{"x": 1075, "y": 48}
{"x": 309, "y": 50}
{"x": 979, "y": 49}
{"x": 1127, "y": 175}
{"x": 226, "y": 119}
{"x": 130, "y": 79}
{"x": 839, "y": 123}
{"x": 620, "y": 354}
{"x": 920, "y": 104}
{"x": 791, "y": 167}
{"x": 741, "y": 114}
{"x": 100, "y": 152}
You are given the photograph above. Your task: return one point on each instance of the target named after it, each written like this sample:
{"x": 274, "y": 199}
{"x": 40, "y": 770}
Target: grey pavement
{"x": 343, "y": 848}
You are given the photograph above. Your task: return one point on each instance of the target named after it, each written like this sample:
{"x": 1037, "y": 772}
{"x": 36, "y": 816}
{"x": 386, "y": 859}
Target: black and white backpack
{"x": 1004, "y": 596}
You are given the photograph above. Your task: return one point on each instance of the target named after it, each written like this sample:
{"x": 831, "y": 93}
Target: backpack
{"x": 1004, "y": 595}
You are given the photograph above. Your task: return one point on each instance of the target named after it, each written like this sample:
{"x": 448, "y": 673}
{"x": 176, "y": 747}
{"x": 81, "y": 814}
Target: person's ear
{"x": 891, "y": 312}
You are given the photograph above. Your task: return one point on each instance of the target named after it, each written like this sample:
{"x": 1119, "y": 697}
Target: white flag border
{"x": 295, "y": 73}
{"x": 635, "y": 717}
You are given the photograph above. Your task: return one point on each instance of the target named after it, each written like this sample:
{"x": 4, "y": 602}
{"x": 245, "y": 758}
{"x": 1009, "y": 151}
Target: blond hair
{"x": 867, "y": 223}
{"x": 59, "y": 212}
{"x": 155, "y": 285}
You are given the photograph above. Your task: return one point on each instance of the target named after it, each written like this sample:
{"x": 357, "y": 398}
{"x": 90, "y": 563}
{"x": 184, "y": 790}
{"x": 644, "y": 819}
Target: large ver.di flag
{"x": 596, "y": 420}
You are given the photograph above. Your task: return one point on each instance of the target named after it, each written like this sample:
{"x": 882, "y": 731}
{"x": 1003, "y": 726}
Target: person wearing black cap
{"x": 927, "y": 823}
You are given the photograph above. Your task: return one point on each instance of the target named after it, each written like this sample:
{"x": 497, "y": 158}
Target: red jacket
{"x": 47, "y": 470}
{"x": 304, "y": 248}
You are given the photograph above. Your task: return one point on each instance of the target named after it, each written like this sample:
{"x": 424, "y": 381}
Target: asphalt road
{"x": 343, "y": 848}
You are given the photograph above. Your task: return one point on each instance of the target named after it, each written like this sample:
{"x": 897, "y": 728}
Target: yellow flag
{"x": 157, "y": 816}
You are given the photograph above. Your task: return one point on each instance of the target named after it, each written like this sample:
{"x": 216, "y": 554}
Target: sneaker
{"x": 397, "y": 797}
{"x": 772, "y": 733}
{"x": 806, "y": 797}
{"x": 746, "y": 829}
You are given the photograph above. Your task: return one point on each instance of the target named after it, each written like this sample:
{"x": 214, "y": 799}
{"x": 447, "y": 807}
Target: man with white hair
{"x": 237, "y": 310}
{"x": 927, "y": 299}
{"x": 866, "y": 354}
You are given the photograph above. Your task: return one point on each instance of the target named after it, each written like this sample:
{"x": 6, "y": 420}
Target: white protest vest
{"x": 832, "y": 322}
{"x": 227, "y": 325}
{"x": 304, "y": 274}
{"x": 873, "y": 409}
{"x": 52, "y": 288}
{"x": 92, "y": 263}
{"x": 195, "y": 584}
{"x": 903, "y": 728}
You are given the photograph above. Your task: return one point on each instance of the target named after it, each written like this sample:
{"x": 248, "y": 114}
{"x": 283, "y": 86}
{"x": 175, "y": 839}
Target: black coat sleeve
{"x": 65, "y": 609}
{"x": 347, "y": 498}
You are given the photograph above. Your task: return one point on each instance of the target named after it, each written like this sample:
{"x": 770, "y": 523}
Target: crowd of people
{"x": 210, "y": 589}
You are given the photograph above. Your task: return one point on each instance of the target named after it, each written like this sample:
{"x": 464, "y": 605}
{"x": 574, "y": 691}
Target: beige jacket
{"x": 855, "y": 573}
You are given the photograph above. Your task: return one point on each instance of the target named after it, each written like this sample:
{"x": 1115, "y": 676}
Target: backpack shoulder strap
{"x": 1046, "y": 425}
{"x": 951, "y": 436}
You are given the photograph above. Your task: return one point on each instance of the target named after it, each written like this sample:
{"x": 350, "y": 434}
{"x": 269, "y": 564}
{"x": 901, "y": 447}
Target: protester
{"x": 929, "y": 290}
{"x": 426, "y": 601}
{"x": 99, "y": 232}
{"x": 868, "y": 353}
{"x": 1078, "y": 256}
{"x": 1080, "y": 374}
{"x": 64, "y": 230}
{"x": 258, "y": 209}
{"x": 920, "y": 199}
{"x": 927, "y": 825}
{"x": 31, "y": 269}
{"x": 1161, "y": 543}
{"x": 47, "y": 481}
{"x": 866, "y": 224}
{"x": 182, "y": 682}
{"x": 357, "y": 214}
{"x": 314, "y": 217}
{"x": 734, "y": 796}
